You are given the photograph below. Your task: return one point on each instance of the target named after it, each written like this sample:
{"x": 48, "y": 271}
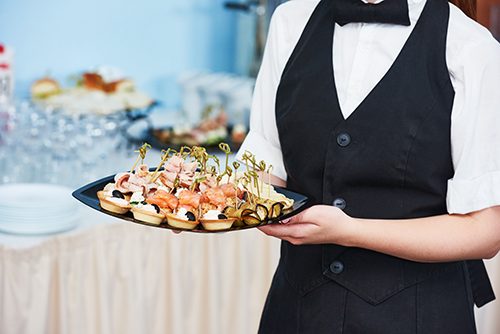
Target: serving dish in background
{"x": 101, "y": 92}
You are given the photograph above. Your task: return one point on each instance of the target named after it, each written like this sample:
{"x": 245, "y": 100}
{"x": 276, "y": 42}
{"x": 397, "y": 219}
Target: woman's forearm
{"x": 431, "y": 239}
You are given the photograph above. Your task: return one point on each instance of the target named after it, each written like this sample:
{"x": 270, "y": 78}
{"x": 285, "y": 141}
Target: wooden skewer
{"x": 143, "y": 150}
{"x": 269, "y": 170}
{"x": 155, "y": 174}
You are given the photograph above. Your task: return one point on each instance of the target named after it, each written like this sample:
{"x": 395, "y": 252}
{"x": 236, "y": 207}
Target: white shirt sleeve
{"x": 475, "y": 129}
{"x": 262, "y": 139}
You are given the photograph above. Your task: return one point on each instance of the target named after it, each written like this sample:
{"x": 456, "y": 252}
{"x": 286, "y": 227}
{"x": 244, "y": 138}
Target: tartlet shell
{"x": 217, "y": 224}
{"x": 148, "y": 217}
{"x": 111, "y": 206}
{"x": 175, "y": 221}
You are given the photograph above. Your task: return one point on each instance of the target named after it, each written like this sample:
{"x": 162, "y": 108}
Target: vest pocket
{"x": 376, "y": 277}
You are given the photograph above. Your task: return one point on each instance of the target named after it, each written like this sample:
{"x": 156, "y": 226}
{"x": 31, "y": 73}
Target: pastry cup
{"x": 178, "y": 222}
{"x": 148, "y": 216}
{"x": 217, "y": 224}
{"x": 165, "y": 211}
{"x": 112, "y": 206}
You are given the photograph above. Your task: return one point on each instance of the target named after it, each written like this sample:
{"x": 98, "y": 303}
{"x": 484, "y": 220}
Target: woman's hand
{"x": 320, "y": 224}
{"x": 440, "y": 238}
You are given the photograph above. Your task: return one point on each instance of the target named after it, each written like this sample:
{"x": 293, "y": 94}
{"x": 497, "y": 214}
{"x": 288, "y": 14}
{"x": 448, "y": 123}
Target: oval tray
{"x": 88, "y": 196}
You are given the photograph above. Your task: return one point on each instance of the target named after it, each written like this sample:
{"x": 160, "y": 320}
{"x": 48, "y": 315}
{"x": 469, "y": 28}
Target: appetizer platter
{"x": 191, "y": 190}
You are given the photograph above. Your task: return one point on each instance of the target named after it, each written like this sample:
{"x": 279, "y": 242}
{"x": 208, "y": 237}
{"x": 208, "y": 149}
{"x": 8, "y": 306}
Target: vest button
{"x": 343, "y": 139}
{"x": 339, "y": 203}
{"x": 337, "y": 267}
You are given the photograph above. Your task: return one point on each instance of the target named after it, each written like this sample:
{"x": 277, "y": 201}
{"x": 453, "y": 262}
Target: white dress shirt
{"x": 363, "y": 53}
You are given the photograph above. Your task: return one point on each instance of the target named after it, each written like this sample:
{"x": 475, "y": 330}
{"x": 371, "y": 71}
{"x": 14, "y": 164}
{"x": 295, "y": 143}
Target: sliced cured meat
{"x": 174, "y": 164}
{"x": 190, "y": 167}
{"x": 143, "y": 171}
{"x": 168, "y": 178}
{"x": 121, "y": 182}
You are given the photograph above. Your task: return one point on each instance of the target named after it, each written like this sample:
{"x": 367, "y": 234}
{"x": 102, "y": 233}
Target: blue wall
{"x": 150, "y": 40}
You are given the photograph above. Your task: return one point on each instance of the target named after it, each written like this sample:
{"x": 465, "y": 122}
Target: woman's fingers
{"x": 290, "y": 231}
{"x": 310, "y": 215}
{"x": 315, "y": 225}
{"x": 285, "y": 221}
{"x": 274, "y": 230}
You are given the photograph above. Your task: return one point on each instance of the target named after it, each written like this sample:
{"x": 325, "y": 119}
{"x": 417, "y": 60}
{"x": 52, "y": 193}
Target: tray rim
{"x": 78, "y": 194}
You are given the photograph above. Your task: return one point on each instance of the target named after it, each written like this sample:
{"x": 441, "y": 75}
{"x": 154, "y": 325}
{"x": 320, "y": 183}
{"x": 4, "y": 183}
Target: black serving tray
{"x": 88, "y": 196}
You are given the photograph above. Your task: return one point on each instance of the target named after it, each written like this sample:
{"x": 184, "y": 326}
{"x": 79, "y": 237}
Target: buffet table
{"x": 113, "y": 277}
{"x": 109, "y": 277}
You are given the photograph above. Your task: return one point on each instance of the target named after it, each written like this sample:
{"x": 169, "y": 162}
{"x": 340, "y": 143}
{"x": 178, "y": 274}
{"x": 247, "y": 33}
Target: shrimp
{"x": 164, "y": 200}
{"x": 216, "y": 197}
{"x": 230, "y": 190}
{"x": 189, "y": 199}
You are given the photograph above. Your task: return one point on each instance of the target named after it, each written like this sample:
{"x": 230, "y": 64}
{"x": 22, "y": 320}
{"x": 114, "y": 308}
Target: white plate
{"x": 42, "y": 220}
{"x": 34, "y": 195}
{"x": 24, "y": 220}
{"x": 36, "y": 209}
{"x": 38, "y": 214}
{"x": 23, "y": 227}
{"x": 15, "y": 228}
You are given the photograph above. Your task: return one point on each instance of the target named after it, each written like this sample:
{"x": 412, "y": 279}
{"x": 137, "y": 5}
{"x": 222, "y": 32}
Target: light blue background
{"x": 150, "y": 40}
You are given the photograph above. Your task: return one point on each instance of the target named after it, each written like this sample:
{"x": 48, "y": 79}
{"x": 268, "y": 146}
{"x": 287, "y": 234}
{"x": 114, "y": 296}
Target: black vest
{"x": 391, "y": 158}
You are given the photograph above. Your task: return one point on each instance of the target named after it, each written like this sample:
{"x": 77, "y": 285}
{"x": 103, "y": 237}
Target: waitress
{"x": 387, "y": 114}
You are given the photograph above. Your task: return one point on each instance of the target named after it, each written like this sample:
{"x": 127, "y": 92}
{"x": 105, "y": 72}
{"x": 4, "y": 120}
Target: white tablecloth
{"x": 110, "y": 277}
{"x": 117, "y": 277}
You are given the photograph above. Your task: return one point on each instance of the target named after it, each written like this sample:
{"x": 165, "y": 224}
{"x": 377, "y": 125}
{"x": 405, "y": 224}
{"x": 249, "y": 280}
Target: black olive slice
{"x": 191, "y": 217}
{"x": 117, "y": 194}
{"x": 222, "y": 216}
{"x": 144, "y": 203}
{"x": 157, "y": 208}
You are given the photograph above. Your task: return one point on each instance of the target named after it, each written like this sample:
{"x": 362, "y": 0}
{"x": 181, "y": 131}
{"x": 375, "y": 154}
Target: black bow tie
{"x": 387, "y": 11}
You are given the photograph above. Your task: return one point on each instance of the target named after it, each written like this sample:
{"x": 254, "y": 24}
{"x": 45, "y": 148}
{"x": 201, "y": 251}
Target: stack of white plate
{"x": 36, "y": 209}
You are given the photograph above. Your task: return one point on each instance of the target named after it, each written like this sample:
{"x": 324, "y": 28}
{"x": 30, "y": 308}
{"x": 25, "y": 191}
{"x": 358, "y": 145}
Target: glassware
{"x": 40, "y": 144}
